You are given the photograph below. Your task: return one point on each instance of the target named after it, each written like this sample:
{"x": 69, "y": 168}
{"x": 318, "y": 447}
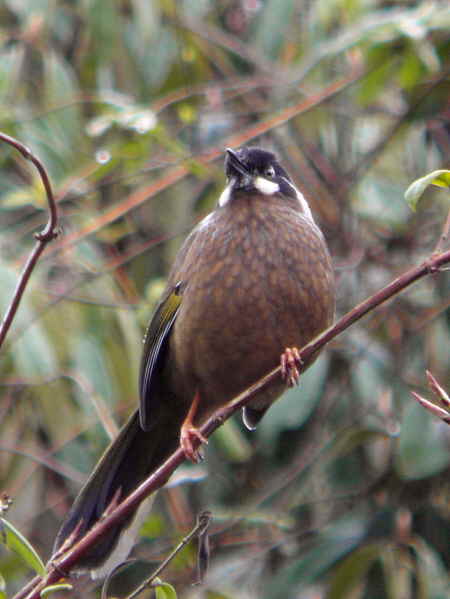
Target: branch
{"x": 440, "y": 407}
{"x": 62, "y": 564}
{"x": 43, "y": 238}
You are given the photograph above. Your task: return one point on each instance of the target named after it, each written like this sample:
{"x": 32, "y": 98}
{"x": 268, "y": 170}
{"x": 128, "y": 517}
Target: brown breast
{"x": 258, "y": 279}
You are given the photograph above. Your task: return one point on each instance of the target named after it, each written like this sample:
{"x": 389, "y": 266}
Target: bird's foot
{"x": 290, "y": 362}
{"x": 190, "y": 441}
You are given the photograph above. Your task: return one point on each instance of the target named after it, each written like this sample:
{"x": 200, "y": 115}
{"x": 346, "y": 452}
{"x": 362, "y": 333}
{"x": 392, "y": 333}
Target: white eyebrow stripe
{"x": 302, "y": 200}
{"x": 205, "y": 221}
{"x": 226, "y": 194}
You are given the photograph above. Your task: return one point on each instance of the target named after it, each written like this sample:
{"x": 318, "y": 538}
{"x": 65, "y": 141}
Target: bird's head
{"x": 253, "y": 170}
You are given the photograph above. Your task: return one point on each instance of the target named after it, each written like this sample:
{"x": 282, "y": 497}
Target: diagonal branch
{"x": 42, "y": 238}
{"x": 64, "y": 563}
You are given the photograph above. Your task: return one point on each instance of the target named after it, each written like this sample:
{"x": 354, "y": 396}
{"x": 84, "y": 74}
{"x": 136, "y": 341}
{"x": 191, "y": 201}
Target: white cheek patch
{"x": 265, "y": 186}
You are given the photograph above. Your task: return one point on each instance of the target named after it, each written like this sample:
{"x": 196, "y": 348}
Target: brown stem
{"x": 156, "y": 480}
{"x": 43, "y": 237}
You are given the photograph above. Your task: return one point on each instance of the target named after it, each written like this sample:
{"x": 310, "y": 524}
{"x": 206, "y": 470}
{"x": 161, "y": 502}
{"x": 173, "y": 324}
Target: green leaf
{"x": 335, "y": 543}
{"x": 432, "y": 573}
{"x": 60, "y": 82}
{"x": 164, "y": 590}
{"x": 374, "y": 83}
{"x": 270, "y": 33}
{"x": 102, "y": 20}
{"x": 17, "y": 198}
{"x": 32, "y": 353}
{"x": 17, "y": 543}
{"x": 153, "y": 527}
{"x": 411, "y": 69}
{"x": 90, "y": 360}
{"x": 10, "y": 63}
{"x": 353, "y": 568}
{"x": 54, "y": 588}
{"x": 414, "y": 192}
{"x": 163, "y": 49}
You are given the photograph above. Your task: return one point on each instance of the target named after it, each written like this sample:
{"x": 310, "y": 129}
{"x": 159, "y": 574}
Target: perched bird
{"x": 251, "y": 284}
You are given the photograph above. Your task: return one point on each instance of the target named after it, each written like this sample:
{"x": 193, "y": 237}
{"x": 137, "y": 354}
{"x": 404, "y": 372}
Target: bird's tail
{"x": 130, "y": 458}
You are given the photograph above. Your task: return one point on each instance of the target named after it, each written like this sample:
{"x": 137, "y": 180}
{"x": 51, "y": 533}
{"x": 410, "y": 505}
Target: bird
{"x": 252, "y": 283}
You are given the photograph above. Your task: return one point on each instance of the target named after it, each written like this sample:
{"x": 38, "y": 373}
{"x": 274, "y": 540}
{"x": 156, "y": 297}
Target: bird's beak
{"x": 236, "y": 163}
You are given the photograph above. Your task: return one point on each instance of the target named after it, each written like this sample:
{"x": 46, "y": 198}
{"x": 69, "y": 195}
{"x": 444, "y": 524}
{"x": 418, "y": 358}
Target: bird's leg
{"x": 189, "y": 432}
{"x": 290, "y": 361}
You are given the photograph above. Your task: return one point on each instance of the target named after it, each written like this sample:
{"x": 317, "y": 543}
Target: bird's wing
{"x": 155, "y": 343}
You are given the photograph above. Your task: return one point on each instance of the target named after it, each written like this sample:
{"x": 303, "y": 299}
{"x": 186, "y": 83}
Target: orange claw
{"x": 187, "y": 438}
{"x": 190, "y": 435}
{"x": 290, "y": 361}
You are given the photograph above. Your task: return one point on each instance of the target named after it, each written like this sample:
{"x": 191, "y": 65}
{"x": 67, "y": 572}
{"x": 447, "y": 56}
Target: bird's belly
{"x": 243, "y": 307}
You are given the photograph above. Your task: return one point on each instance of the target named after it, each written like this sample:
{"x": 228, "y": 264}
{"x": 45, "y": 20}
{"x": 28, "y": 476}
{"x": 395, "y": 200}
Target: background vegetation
{"x": 344, "y": 490}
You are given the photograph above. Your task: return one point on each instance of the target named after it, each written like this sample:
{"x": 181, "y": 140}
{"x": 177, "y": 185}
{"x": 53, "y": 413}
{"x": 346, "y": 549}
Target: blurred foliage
{"x": 344, "y": 490}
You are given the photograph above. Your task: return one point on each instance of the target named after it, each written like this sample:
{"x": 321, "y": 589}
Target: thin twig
{"x": 442, "y": 397}
{"x": 43, "y": 237}
{"x": 203, "y": 522}
{"x": 444, "y": 236}
{"x": 432, "y": 407}
{"x": 156, "y": 480}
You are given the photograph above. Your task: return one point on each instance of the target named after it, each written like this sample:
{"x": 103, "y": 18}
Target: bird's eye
{"x": 269, "y": 172}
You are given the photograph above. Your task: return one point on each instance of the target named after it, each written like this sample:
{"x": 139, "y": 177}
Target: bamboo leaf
{"x": 54, "y": 588}
{"x": 17, "y": 543}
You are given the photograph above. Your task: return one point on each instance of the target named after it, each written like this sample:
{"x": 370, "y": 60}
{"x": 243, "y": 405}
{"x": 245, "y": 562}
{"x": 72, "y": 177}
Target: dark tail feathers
{"x": 130, "y": 458}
